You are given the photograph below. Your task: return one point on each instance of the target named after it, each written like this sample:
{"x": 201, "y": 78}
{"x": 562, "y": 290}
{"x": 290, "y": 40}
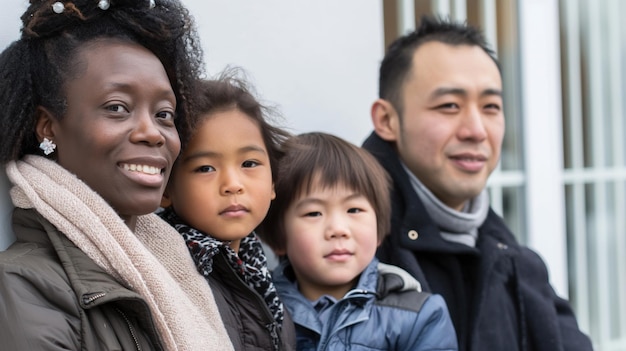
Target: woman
{"x": 93, "y": 94}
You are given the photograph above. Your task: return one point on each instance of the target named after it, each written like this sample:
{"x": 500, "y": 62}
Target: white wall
{"x": 6, "y": 235}
{"x": 9, "y": 31}
{"x": 316, "y": 60}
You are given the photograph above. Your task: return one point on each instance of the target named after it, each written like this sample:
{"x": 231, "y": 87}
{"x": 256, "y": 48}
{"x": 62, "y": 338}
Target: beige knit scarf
{"x": 153, "y": 261}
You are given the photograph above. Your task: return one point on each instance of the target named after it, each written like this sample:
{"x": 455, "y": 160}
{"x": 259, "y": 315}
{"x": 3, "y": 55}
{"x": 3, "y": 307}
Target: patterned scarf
{"x": 250, "y": 262}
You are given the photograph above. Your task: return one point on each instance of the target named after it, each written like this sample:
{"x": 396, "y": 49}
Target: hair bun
{"x": 45, "y": 18}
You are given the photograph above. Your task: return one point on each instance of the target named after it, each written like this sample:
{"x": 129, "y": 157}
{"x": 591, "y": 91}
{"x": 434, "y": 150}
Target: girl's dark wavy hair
{"x": 230, "y": 90}
{"x": 34, "y": 68}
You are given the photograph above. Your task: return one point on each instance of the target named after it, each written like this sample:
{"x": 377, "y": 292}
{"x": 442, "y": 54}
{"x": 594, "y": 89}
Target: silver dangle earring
{"x": 47, "y": 146}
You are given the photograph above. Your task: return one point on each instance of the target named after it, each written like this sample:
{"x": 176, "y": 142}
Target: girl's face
{"x": 331, "y": 237}
{"x": 118, "y": 132}
{"x": 222, "y": 183}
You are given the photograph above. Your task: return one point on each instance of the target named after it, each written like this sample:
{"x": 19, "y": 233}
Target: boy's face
{"x": 331, "y": 238}
{"x": 222, "y": 183}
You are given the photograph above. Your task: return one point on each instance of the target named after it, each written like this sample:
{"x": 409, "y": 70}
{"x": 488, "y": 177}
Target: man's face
{"x": 452, "y": 124}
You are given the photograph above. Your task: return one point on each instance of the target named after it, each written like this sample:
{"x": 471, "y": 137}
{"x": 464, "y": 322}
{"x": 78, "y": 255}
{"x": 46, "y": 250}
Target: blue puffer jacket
{"x": 382, "y": 313}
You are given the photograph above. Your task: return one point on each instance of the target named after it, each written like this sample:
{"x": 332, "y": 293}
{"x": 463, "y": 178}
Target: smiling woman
{"x": 96, "y": 103}
{"x": 126, "y": 149}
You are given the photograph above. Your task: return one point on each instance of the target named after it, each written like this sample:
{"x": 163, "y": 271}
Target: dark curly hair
{"x": 398, "y": 60}
{"x": 34, "y": 68}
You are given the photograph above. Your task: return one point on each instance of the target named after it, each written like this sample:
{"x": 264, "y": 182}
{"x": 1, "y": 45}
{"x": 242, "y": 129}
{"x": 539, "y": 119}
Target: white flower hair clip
{"x": 104, "y": 5}
{"x": 58, "y": 7}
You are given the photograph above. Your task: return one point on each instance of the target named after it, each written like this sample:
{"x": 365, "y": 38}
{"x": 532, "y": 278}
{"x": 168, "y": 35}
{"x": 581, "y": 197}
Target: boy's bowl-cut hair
{"x": 328, "y": 161}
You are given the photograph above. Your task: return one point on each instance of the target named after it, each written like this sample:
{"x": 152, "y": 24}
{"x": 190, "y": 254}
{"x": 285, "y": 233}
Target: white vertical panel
{"x": 459, "y": 10}
{"x": 617, "y": 115}
{"x": 489, "y": 22}
{"x": 406, "y": 16}
{"x": 596, "y": 111}
{"x": 495, "y": 199}
{"x": 488, "y": 26}
{"x": 541, "y": 96}
{"x": 597, "y": 114}
{"x": 441, "y": 8}
{"x": 573, "y": 89}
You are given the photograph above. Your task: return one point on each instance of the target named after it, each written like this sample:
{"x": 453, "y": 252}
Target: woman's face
{"x": 118, "y": 132}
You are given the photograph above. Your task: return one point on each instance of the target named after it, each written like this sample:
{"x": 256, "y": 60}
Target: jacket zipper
{"x": 130, "y": 328}
{"x": 272, "y": 327}
{"x": 341, "y": 306}
{"x": 93, "y": 297}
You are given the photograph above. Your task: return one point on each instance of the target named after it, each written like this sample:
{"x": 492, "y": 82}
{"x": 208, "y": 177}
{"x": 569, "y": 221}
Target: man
{"x": 438, "y": 129}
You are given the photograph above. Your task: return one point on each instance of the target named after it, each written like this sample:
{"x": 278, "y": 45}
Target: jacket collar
{"x": 406, "y": 204}
{"x": 285, "y": 279}
{"x": 302, "y": 310}
{"x": 417, "y": 232}
{"x": 91, "y": 284}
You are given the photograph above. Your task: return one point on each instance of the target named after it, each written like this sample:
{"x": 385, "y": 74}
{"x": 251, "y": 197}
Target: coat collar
{"x": 416, "y": 232}
{"x": 91, "y": 284}
{"x": 419, "y": 233}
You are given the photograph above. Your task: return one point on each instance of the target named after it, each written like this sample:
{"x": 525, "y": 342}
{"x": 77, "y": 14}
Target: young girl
{"x": 330, "y": 214}
{"x": 219, "y": 191}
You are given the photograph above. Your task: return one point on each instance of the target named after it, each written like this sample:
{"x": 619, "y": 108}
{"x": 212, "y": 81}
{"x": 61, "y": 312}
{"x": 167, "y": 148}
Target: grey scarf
{"x": 455, "y": 226}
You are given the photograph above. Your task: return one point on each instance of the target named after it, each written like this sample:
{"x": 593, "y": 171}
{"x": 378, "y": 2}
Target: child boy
{"x": 330, "y": 213}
